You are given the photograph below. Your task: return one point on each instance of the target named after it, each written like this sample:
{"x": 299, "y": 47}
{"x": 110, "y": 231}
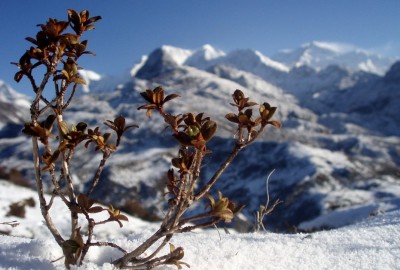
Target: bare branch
{"x": 13, "y": 223}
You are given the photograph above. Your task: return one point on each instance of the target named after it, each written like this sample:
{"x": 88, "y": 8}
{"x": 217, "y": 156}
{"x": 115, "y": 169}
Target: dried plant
{"x": 54, "y": 47}
{"x": 13, "y": 223}
{"x": 192, "y": 133}
{"x": 265, "y": 209}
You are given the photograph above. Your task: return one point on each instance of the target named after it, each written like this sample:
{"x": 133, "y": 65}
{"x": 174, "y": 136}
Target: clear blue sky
{"x": 131, "y": 28}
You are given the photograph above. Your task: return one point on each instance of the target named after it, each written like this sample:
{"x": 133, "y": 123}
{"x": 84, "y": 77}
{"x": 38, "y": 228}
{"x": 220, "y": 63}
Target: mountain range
{"x": 337, "y": 153}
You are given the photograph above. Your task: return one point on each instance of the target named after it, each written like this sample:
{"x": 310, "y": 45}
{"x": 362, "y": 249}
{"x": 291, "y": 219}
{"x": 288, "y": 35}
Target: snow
{"x": 89, "y": 76}
{"x": 336, "y": 47}
{"x": 204, "y": 57}
{"x": 324, "y": 159}
{"x": 178, "y": 55}
{"x": 321, "y": 54}
{"x": 368, "y": 66}
{"x": 139, "y": 65}
{"x": 271, "y": 63}
{"x": 253, "y": 61}
{"x": 373, "y": 243}
{"x": 210, "y": 52}
{"x": 9, "y": 95}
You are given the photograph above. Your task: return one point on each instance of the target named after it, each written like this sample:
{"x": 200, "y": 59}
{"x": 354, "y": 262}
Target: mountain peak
{"x": 393, "y": 74}
{"x": 210, "y": 52}
{"x": 89, "y": 76}
{"x": 161, "y": 60}
{"x": 178, "y": 55}
{"x": 248, "y": 58}
{"x": 320, "y": 54}
{"x": 334, "y": 47}
{"x": 204, "y": 57}
{"x": 9, "y": 95}
{"x": 317, "y": 55}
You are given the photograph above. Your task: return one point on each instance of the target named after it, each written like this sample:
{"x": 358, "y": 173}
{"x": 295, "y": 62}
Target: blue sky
{"x": 131, "y": 28}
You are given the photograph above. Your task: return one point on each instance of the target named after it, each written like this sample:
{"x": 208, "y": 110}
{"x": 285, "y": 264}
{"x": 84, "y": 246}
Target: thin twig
{"x": 40, "y": 191}
{"x": 13, "y": 223}
{"x": 99, "y": 170}
{"x": 151, "y": 256}
{"x": 102, "y": 244}
{"x": 265, "y": 210}
{"x": 219, "y": 172}
{"x": 267, "y": 186}
{"x": 70, "y": 97}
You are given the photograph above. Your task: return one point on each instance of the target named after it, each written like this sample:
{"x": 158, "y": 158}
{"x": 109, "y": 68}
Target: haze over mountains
{"x": 335, "y": 160}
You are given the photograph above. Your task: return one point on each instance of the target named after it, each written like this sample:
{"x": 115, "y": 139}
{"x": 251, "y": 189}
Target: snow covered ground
{"x": 373, "y": 243}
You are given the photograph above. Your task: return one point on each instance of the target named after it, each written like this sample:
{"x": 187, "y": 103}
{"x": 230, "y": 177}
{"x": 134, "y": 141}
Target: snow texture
{"x": 320, "y": 54}
{"x": 88, "y": 76}
{"x": 373, "y": 243}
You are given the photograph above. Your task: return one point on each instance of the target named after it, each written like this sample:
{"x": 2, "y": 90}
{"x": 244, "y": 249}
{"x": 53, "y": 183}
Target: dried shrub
{"x": 59, "y": 51}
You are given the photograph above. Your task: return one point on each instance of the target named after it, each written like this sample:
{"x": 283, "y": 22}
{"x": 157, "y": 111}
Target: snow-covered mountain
{"x": 162, "y": 59}
{"x": 319, "y": 55}
{"x": 338, "y": 149}
{"x": 89, "y": 76}
{"x": 204, "y": 57}
{"x": 14, "y": 106}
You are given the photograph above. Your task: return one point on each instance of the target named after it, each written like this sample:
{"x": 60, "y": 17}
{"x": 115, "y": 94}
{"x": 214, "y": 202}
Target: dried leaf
{"x": 212, "y": 200}
{"x": 122, "y": 217}
{"x": 119, "y": 122}
{"x": 243, "y": 119}
{"x": 171, "y": 96}
{"x": 238, "y": 95}
{"x": 183, "y": 138}
{"x": 85, "y": 202}
{"x": 232, "y": 117}
{"x": 148, "y": 107}
{"x": 71, "y": 246}
{"x": 18, "y": 76}
{"x": 74, "y": 16}
{"x": 148, "y": 113}
{"x": 275, "y": 124}
{"x": 31, "y": 40}
{"x": 147, "y": 95}
{"x": 81, "y": 126}
{"x": 93, "y": 19}
{"x": 225, "y": 214}
{"x": 63, "y": 127}
{"x": 208, "y": 129}
{"x": 65, "y": 73}
{"x": 48, "y": 123}
{"x": 158, "y": 97}
{"x": 250, "y": 103}
{"x": 79, "y": 80}
{"x": 96, "y": 209}
{"x": 171, "y": 248}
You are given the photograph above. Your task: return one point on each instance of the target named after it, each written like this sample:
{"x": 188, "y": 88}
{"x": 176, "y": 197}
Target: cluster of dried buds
{"x": 53, "y": 45}
{"x": 73, "y": 136}
{"x": 245, "y": 120}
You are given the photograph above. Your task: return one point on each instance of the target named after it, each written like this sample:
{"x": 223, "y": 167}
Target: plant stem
{"x": 99, "y": 170}
{"x": 221, "y": 169}
{"x": 40, "y": 190}
{"x": 123, "y": 261}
